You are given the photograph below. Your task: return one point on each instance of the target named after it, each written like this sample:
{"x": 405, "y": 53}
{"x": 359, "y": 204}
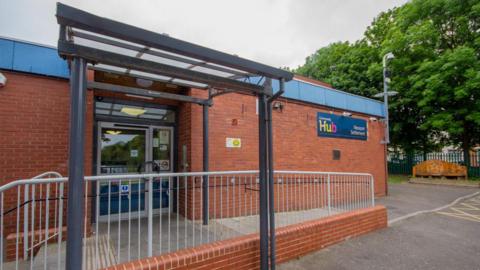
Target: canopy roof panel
{"x": 114, "y": 46}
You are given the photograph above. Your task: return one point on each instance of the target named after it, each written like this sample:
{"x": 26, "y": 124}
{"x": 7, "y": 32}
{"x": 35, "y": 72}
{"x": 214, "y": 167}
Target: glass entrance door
{"x": 122, "y": 150}
{"x": 128, "y": 149}
{"x": 162, "y": 156}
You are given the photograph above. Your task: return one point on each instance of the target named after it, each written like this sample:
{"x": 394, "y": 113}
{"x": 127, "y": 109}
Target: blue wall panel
{"x": 335, "y": 99}
{"x": 6, "y": 54}
{"x": 355, "y": 103}
{"x": 312, "y": 93}
{"x": 317, "y": 94}
{"x": 32, "y": 58}
{"x": 27, "y": 57}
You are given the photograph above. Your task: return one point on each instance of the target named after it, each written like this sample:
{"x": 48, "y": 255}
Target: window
{"x": 132, "y": 111}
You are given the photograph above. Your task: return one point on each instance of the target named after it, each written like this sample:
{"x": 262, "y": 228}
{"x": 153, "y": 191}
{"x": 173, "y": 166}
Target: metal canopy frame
{"x": 90, "y": 41}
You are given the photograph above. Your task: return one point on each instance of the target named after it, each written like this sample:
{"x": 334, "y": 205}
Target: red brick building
{"x": 34, "y": 114}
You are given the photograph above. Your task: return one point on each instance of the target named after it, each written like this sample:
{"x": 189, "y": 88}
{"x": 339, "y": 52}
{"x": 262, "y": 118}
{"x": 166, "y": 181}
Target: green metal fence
{"x": 403, "y": 164}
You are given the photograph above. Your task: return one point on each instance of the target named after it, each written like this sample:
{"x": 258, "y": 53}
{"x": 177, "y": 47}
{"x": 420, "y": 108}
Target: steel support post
{"x": 271, "y": 179}
{"x": 75, "y": 207}
{"x": 205, "y": 199}
{"x": 271, "y": 187}
{"x": 263, "y": 198}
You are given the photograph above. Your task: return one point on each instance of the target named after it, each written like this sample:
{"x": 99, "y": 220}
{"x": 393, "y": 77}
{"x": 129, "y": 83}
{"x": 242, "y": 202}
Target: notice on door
{"x": 164, "y": 164}
{"x": 164, "y": 136}
{"x": 124, "y": 188}
{"x": 156, "y": 142}
{"x": 233, "y": 143}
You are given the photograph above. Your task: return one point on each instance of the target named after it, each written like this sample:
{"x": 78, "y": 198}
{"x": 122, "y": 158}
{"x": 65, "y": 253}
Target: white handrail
{"x": 39, "y": 179}
{"x": 60, "y": 179}
{"x": 300, "y": 196}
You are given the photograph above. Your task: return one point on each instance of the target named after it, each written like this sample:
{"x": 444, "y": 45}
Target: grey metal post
{"x": 75, "y": 213}
{"x": 386, "y": 57}
{"x": 271, "y": 179}
{"x": 385, "y": 104}
{"x": 205, "y": 166}
{"x": 263, "y": 197}
{"x": 271, "y": 188}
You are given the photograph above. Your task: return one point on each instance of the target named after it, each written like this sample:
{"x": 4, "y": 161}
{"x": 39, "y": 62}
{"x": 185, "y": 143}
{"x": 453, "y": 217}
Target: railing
{"x": 134, "y": 216}
{"x": 403, "y": 163}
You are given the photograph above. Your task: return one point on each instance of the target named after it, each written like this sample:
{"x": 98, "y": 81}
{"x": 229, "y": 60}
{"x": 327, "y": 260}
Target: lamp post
{"x": 385, "y": 94}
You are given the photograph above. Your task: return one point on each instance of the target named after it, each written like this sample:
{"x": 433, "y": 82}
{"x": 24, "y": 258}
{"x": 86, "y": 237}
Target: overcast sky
{"x": 274, "y": 32}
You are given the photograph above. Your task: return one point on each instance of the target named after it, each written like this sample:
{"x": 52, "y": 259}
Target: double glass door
{"x": 129, "y": 149}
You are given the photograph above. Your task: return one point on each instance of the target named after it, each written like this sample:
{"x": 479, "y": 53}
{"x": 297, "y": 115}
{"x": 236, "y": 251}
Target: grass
{"x": 397, "y": 178}
{"x": 401, "y": 178}
{"x": 474, "y": 178}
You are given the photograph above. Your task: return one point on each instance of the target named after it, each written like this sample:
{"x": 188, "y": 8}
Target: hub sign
{"x": 339, "y": 126}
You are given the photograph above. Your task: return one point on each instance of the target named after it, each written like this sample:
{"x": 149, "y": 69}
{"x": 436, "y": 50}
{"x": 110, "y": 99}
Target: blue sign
{"x": 339, "y": 126}
{"x": 124, "y": 188}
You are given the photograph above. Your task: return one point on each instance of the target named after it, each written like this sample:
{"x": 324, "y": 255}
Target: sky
{"x": 275, "y": 32}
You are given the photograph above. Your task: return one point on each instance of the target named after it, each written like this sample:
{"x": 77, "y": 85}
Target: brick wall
{"x": 238, "y": 195}
{"x": 34, "y": 114}
{"x": 292, "y": 241}
{"x": 296, "y": 144}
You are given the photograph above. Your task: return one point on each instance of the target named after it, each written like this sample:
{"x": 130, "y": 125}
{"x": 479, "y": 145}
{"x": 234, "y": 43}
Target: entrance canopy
{"x": 115, "y": 47}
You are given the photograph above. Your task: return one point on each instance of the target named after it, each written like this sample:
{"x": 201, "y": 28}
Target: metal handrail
{"x": 26, "y": 248}
{"x": 300, "y": 196}
{"x": 39, "y": 179}
{"x": 61, "y": 179}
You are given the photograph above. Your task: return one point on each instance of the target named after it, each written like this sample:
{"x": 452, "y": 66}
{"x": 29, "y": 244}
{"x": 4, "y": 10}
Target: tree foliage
{"x": 436, "y": 70}
{"x": 345, "y": 66}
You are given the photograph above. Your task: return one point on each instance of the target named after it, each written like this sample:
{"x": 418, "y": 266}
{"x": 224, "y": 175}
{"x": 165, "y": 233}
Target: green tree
{"x": 450, "y": 87}
{"x": 436, "y": 71}
{"x": 345, "y": 66}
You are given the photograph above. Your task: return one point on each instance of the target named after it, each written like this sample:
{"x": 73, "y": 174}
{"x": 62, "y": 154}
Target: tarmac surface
{"x": 444, "y": 239}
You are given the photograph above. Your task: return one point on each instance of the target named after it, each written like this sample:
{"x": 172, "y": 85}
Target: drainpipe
{"x": 271, "y": 182}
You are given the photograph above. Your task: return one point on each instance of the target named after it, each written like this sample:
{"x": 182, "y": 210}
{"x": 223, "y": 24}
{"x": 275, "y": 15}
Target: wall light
{"x": 144, "y": 83}
{"x": 133, "y": 111}
{"x": 278, "y": 106}
{"x": 113, "y": 132}
{"x": 3, "y": 80}
{"x": 347, "y": 114}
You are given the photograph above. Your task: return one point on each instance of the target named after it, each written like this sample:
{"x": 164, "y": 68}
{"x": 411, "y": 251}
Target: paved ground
{"x": 447, "y": 239}
{"x": 406, "y": 198}
{"x": 125, "y": 241}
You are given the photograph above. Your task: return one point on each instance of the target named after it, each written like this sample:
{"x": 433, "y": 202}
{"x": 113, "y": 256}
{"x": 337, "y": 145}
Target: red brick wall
{"x": 34, "y": 115}
{"x": 238, "y": 195}
{"x": 34, "y": 136}
{"x": 296, "y": 144}
{"x": 292, "y": 241}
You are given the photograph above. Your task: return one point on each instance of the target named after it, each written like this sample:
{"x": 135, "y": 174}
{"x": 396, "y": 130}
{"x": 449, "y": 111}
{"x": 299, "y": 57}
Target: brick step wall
{"x": 292, "y": 241}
